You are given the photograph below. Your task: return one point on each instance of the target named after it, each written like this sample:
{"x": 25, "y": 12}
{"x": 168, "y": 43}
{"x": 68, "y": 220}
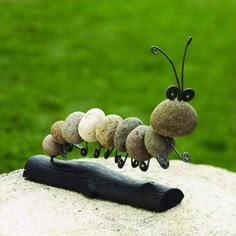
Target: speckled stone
{"x": 88, "y": 124}
{"x": 106, "y": 129}
{"x": 122, "y": 131}
{"x": 135, "y": 144}
{"x": 156, "y": 144}
{"x": 56, "y": 132}
{"x": 69, "y": 129}
{"x": 174, "y": 118}
{"x": 50, "y": 146}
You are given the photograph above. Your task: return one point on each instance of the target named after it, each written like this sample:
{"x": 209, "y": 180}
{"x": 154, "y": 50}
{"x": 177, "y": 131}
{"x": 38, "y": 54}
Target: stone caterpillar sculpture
{"x": 174, "y": 117}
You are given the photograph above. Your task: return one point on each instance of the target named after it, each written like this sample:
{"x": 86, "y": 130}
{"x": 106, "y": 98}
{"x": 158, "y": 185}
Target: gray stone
{"x": 69, "y": 129}
{"x": 135, "y": 144}
{"x": 122, "y": 131}
{"x": 208, "y": 208}
{"x": 156, "y": 144}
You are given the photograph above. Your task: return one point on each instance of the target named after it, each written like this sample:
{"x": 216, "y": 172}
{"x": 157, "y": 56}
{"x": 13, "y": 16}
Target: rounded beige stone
{"x": 56, "y": 132}
{"x": 106, "y": 129}
{"x": 174, "y": 118}
{"x": 122, "y": 131}
{"x": 50, "y": 146}
{"x": 156, "y": 144}
{"x": 69, "y": 129}
{"x": 88, "y": 124}
{"x": 135, "y": 144}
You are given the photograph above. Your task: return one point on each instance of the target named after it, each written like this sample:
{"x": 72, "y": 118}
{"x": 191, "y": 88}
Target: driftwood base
{"x": 96, "y": 181}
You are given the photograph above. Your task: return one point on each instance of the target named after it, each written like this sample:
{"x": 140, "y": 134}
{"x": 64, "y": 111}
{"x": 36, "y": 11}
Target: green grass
{"x": 57, "y": 57}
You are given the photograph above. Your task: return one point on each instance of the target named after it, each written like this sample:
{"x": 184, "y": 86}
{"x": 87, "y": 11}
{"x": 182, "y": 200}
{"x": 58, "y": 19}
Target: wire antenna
{"x": 155, "y": 50}
{"x": 182, "y": 73}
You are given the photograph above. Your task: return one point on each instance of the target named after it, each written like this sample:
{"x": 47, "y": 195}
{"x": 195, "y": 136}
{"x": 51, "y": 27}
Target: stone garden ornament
{"x": 172, "y": 118}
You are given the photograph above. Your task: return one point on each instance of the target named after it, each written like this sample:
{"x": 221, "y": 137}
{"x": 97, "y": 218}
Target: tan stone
{"x": 50, "y": 146}
{"x": 106, "y": 128}
{"x": 174, "y": 118}
{"x": 56, "y": 132}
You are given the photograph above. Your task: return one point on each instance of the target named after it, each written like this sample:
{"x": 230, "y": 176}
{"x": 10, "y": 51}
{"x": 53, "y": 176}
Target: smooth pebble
{"x": 174, "y": 118}
{"x": 156, "y": 144}
{"x": 135, "y": 144}
{"x": 106, "y": 128}
{"x": 69, "y": 129}
{"x": 122, "y": 131}
{"x": 88, "y": 124}
{"x": 50, "y": 146}
{"x": 56, "y": 132}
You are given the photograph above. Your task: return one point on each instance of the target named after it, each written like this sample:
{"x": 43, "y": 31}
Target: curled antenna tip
{"x": 154, "y": 50}
{"x": 189, "y": 40}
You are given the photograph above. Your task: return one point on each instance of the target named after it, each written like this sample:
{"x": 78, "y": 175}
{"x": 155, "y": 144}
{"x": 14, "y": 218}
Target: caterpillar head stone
{"x": 175, "y": 117}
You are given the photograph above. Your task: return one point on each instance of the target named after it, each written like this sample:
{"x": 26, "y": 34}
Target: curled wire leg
{"x": 83, "y": 150}
{"x": 97, "y": 151}
{"x": 108, "y": 152}
{"x": 63, "y": 153}
{"x": 68, "y": 147}
{"x": 144, "y": 165}
{"x": 186, "y": 157}
{"x": 163, "y": 161}
{"x": 77, "y": 146}
{"x": 134, "y": 163}
{"x": 121, "y": 162}
{"x": 117, "y": 157}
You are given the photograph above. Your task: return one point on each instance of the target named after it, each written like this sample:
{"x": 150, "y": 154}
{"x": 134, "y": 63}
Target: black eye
{"x": 172, "y": 92}
{"x": 188, "y": 95}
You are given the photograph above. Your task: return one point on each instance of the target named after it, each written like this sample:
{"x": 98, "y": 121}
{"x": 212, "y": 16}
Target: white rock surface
{"x": 208, "y": 208}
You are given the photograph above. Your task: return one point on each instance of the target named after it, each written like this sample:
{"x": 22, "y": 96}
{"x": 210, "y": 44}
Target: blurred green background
{"x": 57, "y": 57}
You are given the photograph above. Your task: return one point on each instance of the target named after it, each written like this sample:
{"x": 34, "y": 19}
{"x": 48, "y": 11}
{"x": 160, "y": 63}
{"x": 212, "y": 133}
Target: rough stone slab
{"x": 209, "y": 206}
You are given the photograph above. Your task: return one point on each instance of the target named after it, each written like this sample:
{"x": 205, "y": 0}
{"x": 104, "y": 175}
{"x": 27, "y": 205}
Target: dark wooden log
{"x": 96, "y": 181}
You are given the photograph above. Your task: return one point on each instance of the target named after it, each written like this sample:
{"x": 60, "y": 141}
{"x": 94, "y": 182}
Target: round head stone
{"x": 174, "y": 118}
